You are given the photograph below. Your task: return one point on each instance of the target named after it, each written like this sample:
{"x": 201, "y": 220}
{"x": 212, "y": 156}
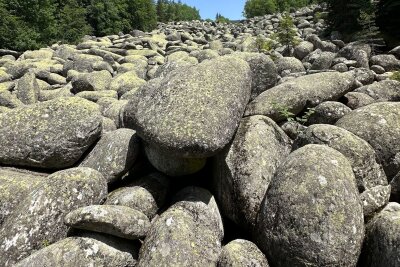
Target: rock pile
{"x": 186, "y": 146}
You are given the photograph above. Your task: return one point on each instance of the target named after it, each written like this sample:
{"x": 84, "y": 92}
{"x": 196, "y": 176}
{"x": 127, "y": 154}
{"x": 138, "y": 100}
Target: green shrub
{"x": 395, "y": 76}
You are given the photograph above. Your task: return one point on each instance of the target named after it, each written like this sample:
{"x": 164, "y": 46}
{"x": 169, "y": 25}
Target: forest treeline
{"x": 31, "y": 24}
{"x": 354, "y": 19}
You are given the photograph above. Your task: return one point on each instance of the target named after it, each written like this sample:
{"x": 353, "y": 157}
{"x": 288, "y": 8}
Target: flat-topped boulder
{"x": 194, "y": 112}
{"x": 51, "y": 135}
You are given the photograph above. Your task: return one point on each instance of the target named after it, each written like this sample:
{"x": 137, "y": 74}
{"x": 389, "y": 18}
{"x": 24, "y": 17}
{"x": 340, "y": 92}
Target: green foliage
{"x": 290, "y": 116}
{"x": 395, "y": 76}
{"x": 265, "y": 45}
{"x": 73, "y": 22}
{"x": 366, "y": 20}
{"x": 255, "y": 8}
{"x": 168, "y": 10}
{"x": 221, "y": 19}
{"x": 142, "y": 14}
{"x": 286, "y": 34}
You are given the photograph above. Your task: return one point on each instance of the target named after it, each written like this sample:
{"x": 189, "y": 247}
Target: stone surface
{"x": 204, "y": 104}
{"x": 241, "y": 252}
{"x": 38, "y": 218}
{"x": 244, "y": 169}
{"x": 312, "y": 214}
{"x": 52, "y": 134}
{"x": 294, "y": 95}
{"x": 120, "y": 221}
{"x": 114, "y": 154}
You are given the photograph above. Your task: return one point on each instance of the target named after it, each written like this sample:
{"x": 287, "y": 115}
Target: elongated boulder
{"x": 379, "y": 125}
{"x": 244, "y": 169}
{"x": 51, "y": 135}
{"x": 38, "y": 219}
{"x": 27, "y": 89}
{"x": 382, "y": 239}
{"x": 297, "y": 94}
{"x": 241, "y": 252}
{"x": 312, "y": 213}
{"x": 195, "y": 111}
{"x": 387, "y": 90}
{"x": 114, "y": 154}
{"x": 15, "y": 184}
{"x": 361, "y": 155}
{"x": 187, "y": 234}
{"x": 115, "y": 220}
{"x": 78, "y": 251}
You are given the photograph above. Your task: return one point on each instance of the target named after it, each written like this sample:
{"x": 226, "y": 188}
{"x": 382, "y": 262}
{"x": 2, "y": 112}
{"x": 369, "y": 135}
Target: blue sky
{"x": 231, "y": 9}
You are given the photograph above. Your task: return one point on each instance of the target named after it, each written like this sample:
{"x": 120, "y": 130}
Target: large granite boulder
{"x": 312, "y": 214}
{"x": 38, "y": 218}
{"x": 51, "y": 135}
{"x": 195, "y": 112}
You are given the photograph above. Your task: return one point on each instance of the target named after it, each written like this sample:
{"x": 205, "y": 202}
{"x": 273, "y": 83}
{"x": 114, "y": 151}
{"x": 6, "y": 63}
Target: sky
{"x": 232, "y": 9}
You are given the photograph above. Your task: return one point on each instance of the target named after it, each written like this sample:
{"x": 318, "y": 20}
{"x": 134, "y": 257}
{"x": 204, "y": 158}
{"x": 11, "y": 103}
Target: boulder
{"x": 51, "y": 135}
{"x": 355, "y": 100}
{"x": 328, "y": 112}
{"x": 126, "y": 82}
{"x": 244, "y": 169}
{"x": 188, "y": 233}
{"x": 361, "y": 155}
{"x": 297, "y": 94}
{"x": 387, "y": 90}
{"x": 146, "y": 194}
{"x": 204, "y": 104}
{"x": 38, "y": 218}
{"x": 382, "y": 238}
{"x": 303, "y": 49}
{"x": 312, "y": 214}
{"x": 78, "y": 251}
{"x": 388, "y": 62}
{"x": 120, "y": 221}
{"x": 241, "y": 252}
{"x": 27, "y": 89}
{"x": 379, "y": 125}
{"x": 94, "y": 81}
{"x": 290, "y": 64}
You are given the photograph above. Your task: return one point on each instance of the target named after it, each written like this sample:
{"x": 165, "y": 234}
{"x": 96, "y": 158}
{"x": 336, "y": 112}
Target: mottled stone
{"x": 241, "y": 252}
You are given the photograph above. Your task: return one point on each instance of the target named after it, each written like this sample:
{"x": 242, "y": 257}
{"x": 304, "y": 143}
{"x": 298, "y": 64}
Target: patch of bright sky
{"x": 232, "y": 9}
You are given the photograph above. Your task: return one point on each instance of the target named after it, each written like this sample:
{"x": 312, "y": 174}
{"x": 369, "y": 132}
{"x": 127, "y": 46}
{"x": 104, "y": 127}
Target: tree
{"x": 255, "y": 8}
{"x": 369, "y": 30}
{"x": 286, "y": 34}
{"x": 73, "y": 24}
{"x": 221, "y": 19}
{"x": 388, "y": 20}
{"x": 142, "y": 14}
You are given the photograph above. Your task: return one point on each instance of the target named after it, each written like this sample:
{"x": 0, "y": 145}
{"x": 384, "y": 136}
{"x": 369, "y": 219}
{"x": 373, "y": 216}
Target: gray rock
{"x": 361, "y": 155}
{"x": 291, "y": 64}
{"x": 382, "y": 239}
{"x": 9, "y": 100}
{"x": 94, "y": 96}
{"x": 52, "y": 134}
{"x": 244, "y": 169}
{"x": 120, "y": 221}
{"x": 387, "y": 90}
{"x": 374, "y": 199}
{"x": 241, "y": 252}
{"x": 94, "y": 81}
{"x": 15, "y": 184}
{"x": 188, "y": 233}
{"x": 328, "y": 112}
{"x": 303, "y": 49}
{"x": 147, "y": 194}
{"x": 27, "y": 89}
{"x": 173, "y": 165}
{"x": 114, "y": 154}
{"x": 126, "y": 82}
{"x": 323, "y": 62}
{"x": 312, "y": 214}
{"x": 388, "y": 62}
{"x": 357, "y": 100}
{"x": 263, "y": 71}
{"x": 357, "y": 51}
{"x": 363, "y": 75}
{"x": 293, "y": 128}
{"x": 379, "y": 125}
{"x": 204, "y": 104}
{"x": 296, "y": 94}
{"x": 38, "y": 219}
{"x": 78, "y": 251}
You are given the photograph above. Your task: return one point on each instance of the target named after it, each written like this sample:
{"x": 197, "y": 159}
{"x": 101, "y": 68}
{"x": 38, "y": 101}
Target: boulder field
{"x": 190, "y": 146}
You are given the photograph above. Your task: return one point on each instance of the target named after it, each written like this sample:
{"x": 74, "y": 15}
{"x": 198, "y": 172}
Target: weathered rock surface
{"x": 244, "y": 169}
{"x": 241, "y": 252}
{"x": 114, "y": 154}
{"x": 379, "y": 125}
{"x": 51, "y": 135}
{"x": 78, "y": 251}
{"x": 312, "y": 214}
{"x": 38, "y": 219}
{"x": 294, "y": 95}
{"x": 115, "y": 220}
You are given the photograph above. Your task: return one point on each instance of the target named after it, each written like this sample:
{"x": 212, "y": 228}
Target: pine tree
{"x": 369, "y": 30}
{"x": 73, "y": 24}
{"x": 286, "y": 34}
